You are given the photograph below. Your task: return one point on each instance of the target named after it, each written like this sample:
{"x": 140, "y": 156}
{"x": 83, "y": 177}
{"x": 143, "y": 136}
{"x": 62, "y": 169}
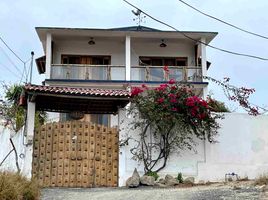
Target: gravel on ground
{"x": 210, "y": 192}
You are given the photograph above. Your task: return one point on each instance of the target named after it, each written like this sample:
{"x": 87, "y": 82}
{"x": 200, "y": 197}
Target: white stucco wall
{"x": 242, "y": 148}
{"x": 25, "y": 152}
{"x": 116, "y": 49}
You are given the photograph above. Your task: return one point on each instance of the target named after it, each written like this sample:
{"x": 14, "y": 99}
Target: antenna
{"x": 140, "y": 18}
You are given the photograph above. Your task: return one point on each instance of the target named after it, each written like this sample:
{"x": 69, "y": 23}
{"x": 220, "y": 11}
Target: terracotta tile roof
{"x": 77, "y": 91}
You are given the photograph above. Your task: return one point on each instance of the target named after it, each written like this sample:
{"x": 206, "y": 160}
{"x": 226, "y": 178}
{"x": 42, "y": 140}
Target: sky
{"x": 19, "y": 19}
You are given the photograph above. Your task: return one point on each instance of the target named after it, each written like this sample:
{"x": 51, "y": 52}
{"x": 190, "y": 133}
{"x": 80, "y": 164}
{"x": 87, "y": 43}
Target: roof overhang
{"x": 116, "y": 84}
{"x": 72, "y": 99}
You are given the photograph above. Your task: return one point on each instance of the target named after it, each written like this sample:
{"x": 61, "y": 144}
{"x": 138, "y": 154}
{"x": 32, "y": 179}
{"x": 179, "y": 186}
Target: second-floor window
{"x": 163, "y": 61}
{"x": 86, "y": 67}
{"x": 90, "y": 60}
{"x": 155, "y": 70}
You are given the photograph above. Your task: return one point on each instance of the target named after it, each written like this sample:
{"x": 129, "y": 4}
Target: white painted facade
{"x": 122, "y": 50}
{"x": 242, "y": 148}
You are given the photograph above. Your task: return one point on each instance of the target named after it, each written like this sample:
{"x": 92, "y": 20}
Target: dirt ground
{"x": 231, "y": 191}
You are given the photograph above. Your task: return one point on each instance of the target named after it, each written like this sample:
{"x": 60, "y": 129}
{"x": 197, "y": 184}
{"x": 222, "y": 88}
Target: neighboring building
{"x": 89, "y": 74}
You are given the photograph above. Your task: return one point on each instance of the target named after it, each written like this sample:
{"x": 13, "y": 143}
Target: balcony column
{"x": 48, "y": 55}
{"x": 204, "y": 65}
{"x": 128, "y": 57}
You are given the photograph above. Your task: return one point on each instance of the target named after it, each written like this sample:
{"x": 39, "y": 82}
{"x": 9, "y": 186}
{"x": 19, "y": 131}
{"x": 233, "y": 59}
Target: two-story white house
{"x": 88, "y": 73}
{"x": 120, "y": 57}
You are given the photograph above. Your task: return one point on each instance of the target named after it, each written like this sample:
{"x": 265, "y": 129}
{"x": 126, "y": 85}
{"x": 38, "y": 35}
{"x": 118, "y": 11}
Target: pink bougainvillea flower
{"x": 173, "y": 87}
{"x": 174, "y": 109}
{"x": 144, "y": 86}
{"x": 160, "y": 100}
{"x": 165, "y": 68}
{"x": 171, "y": 81}
{"x": 136, "y": 91}
{"x": 172, "y": 100}
{"x": 204, "y": 103}
{"x": 172, "y": 95}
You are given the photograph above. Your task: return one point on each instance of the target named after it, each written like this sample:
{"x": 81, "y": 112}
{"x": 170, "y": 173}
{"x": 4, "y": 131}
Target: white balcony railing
{"x": 112, "y": 72}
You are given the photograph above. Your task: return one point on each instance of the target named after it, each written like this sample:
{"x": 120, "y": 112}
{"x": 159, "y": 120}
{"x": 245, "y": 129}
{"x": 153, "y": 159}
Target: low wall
{"x": 23, "y": 152}
{"x": 242, "y": 148}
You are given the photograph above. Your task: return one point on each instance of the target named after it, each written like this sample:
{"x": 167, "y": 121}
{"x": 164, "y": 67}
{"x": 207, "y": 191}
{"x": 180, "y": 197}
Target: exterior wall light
{"x": 163, "y": 44}
{"x": 91, "y": 41}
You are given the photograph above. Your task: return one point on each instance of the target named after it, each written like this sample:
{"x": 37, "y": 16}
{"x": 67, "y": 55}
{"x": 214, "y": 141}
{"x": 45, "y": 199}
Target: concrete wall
{"x": 116, "y": 49}
{"x": 242, "y": 148}
{"x": 24, "y": 152}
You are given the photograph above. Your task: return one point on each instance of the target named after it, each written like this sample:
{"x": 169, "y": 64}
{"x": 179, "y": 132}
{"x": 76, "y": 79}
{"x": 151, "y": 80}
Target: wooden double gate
{"x": 75, "y": 154}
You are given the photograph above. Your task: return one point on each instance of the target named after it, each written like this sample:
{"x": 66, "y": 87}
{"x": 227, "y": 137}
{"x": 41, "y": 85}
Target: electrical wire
{"x": 11, "y": 50}
{"x": 198, "y": 41}
{"x": 224, "y": 22}
{"x": 10, "y": 70}
{"x": 10, "y": 60}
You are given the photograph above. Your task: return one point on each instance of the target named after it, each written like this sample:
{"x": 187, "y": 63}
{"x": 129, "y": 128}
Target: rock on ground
{"x": 171, "y": 181}
{"x": 147, "y": 180}
{"x": 134, "y": 180}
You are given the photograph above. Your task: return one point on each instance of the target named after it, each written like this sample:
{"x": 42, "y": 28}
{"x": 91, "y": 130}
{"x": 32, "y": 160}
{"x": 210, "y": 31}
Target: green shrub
{"x": 14, "y": 186}
{"x": 154, "y": 174}
{"x": 179, "y": 177}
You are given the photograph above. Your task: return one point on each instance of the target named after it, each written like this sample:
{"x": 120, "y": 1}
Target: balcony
{"x": 112, "y": 72}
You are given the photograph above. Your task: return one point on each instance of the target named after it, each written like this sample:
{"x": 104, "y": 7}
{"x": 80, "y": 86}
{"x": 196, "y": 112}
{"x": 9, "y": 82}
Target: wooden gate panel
{"x": 36, "y": 150}
{"x": 85, "y": 156}
{"x": 103, "y": 156}
{"x": 67, "y": 152}
{"x": 109, "y": 159}
{"x": 55, "y": 156}
{"x": 73, "y": 155}
{"x": 79, "y": 158}
{"x": 91, "y": 161}
{"x": 98, "y": 156}
{"x": 76, "y": 154}
{"x": 42, "y": 155}
{"x": 60, "y": 172}
{"x": 115, "y": 147}
{"x": 48, "y": 155}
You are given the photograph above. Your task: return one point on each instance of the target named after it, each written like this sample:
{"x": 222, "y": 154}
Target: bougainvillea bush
{"x": 174, "y": 116}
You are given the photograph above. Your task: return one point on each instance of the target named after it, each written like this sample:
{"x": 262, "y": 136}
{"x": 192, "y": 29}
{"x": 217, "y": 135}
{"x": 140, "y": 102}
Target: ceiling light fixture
{"x": 91, "y": 41}
{"x": 163, "y": 44}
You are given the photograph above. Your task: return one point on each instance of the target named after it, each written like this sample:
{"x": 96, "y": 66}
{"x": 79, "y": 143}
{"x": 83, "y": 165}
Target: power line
{"x": 190, "y": 38}
{"x": 11, "y": 50}
{"x": 10, "y": 70}
{"x": 222, "y": 21}
{"x": 10, "y": 60}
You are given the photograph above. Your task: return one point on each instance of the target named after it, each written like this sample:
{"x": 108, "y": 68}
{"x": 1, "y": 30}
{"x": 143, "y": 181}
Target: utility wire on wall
{"x": 224, "y": 22}
{"x": 190, "y": 38}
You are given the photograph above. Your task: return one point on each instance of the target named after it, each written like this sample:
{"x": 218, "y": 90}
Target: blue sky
{"x": 19, "y": 19}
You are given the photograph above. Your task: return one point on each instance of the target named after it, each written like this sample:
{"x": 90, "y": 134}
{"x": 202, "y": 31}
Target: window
{"x": 90, "y": 60}
{"x": 162, "y": 61}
